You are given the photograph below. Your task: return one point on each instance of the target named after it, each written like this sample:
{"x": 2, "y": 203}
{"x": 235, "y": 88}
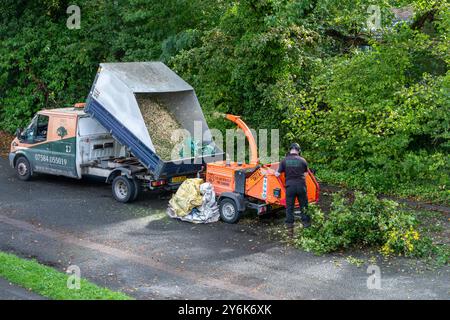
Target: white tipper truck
{"x": 107, "y": 137}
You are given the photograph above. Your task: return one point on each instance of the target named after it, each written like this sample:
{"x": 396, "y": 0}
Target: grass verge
{"x": 49, "y": 282}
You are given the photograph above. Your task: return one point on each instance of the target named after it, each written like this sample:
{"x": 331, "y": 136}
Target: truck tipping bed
{"x": 112, "y": 102}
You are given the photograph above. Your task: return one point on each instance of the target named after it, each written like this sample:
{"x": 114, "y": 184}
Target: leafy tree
{"x": 371, "y": 108}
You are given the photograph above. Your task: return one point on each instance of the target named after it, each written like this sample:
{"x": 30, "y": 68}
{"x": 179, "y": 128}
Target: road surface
{"x": 9, "y": 291}
{"x": 137, "y": 249}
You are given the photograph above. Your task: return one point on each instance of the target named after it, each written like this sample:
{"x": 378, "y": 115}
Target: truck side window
{"x": 37, "y": 130}
{"x": 42, "y": 128}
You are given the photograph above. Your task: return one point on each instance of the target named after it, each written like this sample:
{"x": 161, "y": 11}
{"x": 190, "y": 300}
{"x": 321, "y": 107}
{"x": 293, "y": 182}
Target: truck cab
{"x": 47, "y": 144}
{"x": 68, "y": 142}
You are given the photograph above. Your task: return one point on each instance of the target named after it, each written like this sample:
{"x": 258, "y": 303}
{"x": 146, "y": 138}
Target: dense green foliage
{"x": 371, "y": 109}
{"x": 368, "y": 222}
{"x": 49, "y": 282}
{"x": 45, "y": 64}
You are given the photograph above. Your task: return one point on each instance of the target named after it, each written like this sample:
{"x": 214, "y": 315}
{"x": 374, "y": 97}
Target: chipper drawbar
{"x": 253, "y": 185}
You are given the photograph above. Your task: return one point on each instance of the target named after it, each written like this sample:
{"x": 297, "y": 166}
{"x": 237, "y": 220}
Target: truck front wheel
{"x": 229, "y": 212}
{"x": 23, "y": 169}
{"x": 123, "y": 189}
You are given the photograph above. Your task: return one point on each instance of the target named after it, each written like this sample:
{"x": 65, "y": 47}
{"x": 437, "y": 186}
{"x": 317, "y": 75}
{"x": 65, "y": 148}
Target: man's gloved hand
{"x": 277, "y": 174}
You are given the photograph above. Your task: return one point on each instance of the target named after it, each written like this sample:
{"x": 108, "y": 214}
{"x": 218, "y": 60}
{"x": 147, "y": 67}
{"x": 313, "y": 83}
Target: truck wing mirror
{"x": 19, "y": 133}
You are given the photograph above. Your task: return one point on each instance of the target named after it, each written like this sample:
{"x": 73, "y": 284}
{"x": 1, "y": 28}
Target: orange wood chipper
{"x": 240, "y": 185}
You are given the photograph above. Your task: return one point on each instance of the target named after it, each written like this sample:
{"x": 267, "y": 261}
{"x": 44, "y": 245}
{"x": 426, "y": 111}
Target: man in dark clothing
{"x": 295, "y": 168}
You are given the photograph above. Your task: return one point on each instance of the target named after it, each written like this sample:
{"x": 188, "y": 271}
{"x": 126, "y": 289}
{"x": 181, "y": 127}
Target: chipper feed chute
{"x": 141, "y": 104}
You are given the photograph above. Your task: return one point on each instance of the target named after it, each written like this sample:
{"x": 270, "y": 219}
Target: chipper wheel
{"x": 229, "y": 212}
{"x": 123, "y": 189}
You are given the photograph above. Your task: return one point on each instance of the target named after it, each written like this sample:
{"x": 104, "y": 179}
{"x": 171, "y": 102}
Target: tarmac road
{"x": 9, "y": 291}
{"x": 137, "y": 249}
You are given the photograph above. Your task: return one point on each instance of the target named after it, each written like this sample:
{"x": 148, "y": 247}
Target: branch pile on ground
{"x": 160, "y": 123}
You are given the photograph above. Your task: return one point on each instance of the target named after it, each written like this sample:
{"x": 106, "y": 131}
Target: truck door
{"x": 38, "y": 149}
{"x": 63, "y": 145}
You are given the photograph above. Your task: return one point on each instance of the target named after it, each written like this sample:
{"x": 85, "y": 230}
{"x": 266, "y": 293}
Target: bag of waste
{"x": 187, "y": 197}
{"x": 207, "y": 212}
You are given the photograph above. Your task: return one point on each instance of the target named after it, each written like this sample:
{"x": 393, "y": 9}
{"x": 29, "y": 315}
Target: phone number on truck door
{"x": 50, "y": 159}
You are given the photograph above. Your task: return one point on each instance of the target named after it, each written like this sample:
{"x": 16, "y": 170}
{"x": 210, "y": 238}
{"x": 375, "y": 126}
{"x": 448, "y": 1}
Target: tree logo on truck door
{"x": 62, "y": 132}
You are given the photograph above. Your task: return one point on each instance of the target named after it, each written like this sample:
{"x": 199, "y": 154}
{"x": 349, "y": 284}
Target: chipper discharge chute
{"x": 154, "y": 113}
{"x": 240, "y": 185}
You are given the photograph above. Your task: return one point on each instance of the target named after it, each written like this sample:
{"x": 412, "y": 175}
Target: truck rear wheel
{"x": 229, "y": 212}
{"x": 23, "y": 169}
{"x": 123, "y": 189}
{"x": 137, "y": 189}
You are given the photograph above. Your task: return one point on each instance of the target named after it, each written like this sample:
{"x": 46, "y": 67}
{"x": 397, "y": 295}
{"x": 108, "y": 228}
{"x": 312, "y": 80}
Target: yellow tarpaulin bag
{"x": 187, "y": 197}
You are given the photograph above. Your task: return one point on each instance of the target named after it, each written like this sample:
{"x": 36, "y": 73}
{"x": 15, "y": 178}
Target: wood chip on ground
{"x": 160, "y": 123}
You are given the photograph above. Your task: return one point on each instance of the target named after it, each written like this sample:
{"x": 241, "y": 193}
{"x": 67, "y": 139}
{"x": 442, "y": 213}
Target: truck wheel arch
{"x": 118, "y": 172}
{"x": 236, "y": 197}
{"x": 16, "y": 156}
{"x": 20, "y": 155}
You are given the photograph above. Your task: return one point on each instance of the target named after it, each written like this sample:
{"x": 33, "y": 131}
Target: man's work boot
{"x": 290, "y": 230}
{"x": 306, "y": 221}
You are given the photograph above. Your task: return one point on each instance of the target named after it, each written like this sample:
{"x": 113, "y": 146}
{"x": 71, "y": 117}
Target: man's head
{"x": 295, "y": 148}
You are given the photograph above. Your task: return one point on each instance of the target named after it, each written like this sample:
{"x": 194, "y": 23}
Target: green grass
{"x": 49, "y": 282}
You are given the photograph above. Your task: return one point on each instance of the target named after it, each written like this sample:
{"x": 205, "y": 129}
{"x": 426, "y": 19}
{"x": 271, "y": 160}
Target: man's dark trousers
{"x": 293, "y": 191}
